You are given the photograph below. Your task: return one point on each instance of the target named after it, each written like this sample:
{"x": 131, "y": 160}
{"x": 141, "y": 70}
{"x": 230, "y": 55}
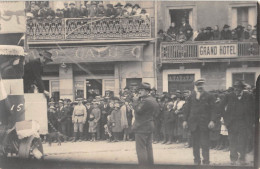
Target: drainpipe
{"x": 155, "y": 35}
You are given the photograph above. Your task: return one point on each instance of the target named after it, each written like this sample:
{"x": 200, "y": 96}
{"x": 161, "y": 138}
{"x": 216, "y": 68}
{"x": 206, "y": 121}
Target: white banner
{"x": 12, "y": 17}
{"x": 217, "y": 51}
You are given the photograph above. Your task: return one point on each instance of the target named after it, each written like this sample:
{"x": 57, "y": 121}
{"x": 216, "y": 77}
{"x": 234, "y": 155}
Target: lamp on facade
{"x": 64, "y": 66}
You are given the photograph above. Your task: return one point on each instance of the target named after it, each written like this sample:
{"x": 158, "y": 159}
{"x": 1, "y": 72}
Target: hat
{"x": 126, "y": 87}
{"x": 46, "y": 54}
{"x": 118, "y": 4}
{"x": 79, "y": 99}
{"x": 60, "y": 101}
{"x": 145, "y": 86}
{"x": 72, "y": 3}
{"x": 93, "y": 3}
{"x": 239, "y": 84}
{"x": 239, "y": 27}
{"x": 52, "y": 107}
{"x": 117, "y": 104}
{"x": 100, "y": 5}
{"x": 95, "y": 101}
{"x": 109, "y": 5}
{"x": 199, "y": 82}
{"x": 128, "y": 4}
{"x": 136, "y": 5}
{"x": 208, "y": 28}
{"x": 226, "y": 26}
{"x": 154, "y": 89}
{"x": 143, "y": 11}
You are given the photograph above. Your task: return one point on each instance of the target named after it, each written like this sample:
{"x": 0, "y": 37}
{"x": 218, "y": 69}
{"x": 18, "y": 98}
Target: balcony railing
{"x": 173, "y": 51}
{"x": 89, "y": 29}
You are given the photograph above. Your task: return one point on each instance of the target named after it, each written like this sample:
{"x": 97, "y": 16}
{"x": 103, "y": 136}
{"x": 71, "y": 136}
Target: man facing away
{"x": 199, "y": 117}
{"x": 145, "y": 106}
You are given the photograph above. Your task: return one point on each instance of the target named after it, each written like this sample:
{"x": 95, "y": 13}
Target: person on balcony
{"x": 93, "y": 9}
{"x": 59, "y": 13}
{"x": 248, "y": 32}
{"x": 172, "y": 31}
{"x": 209, "y": 34}
{"x": 181, "y": 37}
{"x": 240, "y": 33}
{"x": 101, "y": 11}
{"x": 226, "y": 33}
{"x": 135, "y": 7}
{"x": 144, "y": 15}
{"x": 66, "y": 10}
{"x": 254, "y": 33}
{"x": 73, "y": 12}
{"x": 83, "y": 11}
{"x": 119, "y": 9}
{"x": 234, "y": 34}
{"x": 46, "y": 12}
{"x": 186, "y": 28}
{"x": 129, "y": 9}
{"x": 111, "y": 12}
{"x": 216, "y": 33}
{"x": 33, "y": 72}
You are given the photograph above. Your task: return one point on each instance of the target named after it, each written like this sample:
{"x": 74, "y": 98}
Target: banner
{"x": 217, "y": 51}
{"x": 94, "y": 54}
{"x": 12, "y": 17}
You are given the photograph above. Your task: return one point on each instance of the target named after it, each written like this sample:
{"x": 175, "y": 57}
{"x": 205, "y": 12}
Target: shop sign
{"x": 217, "y": 51}
{"x": 181, "y": 78}
{"x": 95, "y": 54}
{"x": 12, "y": 17}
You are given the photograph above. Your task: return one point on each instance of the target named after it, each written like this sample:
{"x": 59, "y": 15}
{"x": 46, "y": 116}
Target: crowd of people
{"x": 111, "y": 119}
{"x": 87, "y": 10}
{"x": 185, "y": 33}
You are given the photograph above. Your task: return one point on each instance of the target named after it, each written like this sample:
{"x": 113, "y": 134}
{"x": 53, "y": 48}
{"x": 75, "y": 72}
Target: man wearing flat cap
{"x": 145, "y": 107}
{"x": 238, "y": 112}
{"x": 199, "y": 117}
{"x": 33, "y": 72}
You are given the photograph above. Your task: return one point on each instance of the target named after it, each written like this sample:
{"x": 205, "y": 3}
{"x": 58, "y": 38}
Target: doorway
{"x": 180, "y": 82}
{"x": 176, "y": 16}
{"x": 94, "y": 88}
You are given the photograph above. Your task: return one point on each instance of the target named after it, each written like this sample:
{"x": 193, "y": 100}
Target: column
{"x": 66, "y": 82}
{"x": 116, "y": 76}
{"x": 233, "y": 18}
{"x": 252, "y": 14}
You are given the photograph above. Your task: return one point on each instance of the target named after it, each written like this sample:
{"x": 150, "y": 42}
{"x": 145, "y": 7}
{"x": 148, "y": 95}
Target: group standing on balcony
{"x": 90, "y": 10}
{"x": 185, "y": 33}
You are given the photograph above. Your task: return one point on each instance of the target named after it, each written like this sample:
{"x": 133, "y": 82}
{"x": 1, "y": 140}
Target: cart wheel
{"x": 27, "y": 145}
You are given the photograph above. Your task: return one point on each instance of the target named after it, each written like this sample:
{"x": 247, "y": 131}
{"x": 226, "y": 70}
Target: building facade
{"x": 95, "y": 55}
{"x": 220, "y": 62}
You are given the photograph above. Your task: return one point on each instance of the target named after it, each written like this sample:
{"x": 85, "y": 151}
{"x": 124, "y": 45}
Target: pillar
{"x": 66, "y": 82}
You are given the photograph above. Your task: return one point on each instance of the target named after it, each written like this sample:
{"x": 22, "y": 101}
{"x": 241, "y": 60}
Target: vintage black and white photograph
{"x": 129, "y": 84}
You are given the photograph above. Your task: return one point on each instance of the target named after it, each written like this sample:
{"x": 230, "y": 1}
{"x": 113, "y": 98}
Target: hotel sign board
{"x": 217, "y": 50}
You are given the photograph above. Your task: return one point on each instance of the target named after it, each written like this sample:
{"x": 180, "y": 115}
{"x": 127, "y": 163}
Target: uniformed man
{"x": 145, "y": 107}
{"x": 199, "y": 117}
{"x": 79, "y": 118}
{"x": 238, "y": 108}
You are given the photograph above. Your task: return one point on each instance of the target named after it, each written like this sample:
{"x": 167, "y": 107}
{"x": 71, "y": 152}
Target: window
{"x": 242, "y": 16}
{"x": 249, "y": 78}
{"x": 177, "y": 15}
{"x": 180, "y": 82}
{"x": 79, "y": 89}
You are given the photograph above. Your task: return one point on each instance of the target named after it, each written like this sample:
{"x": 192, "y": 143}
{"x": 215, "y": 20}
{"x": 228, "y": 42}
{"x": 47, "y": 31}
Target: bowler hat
{"x": 208, "y": 28}
{"x": 199, "y": 82}
{"x": 239, "y": 84}
{"x": 128, "y": 4}
{"x": 118, "y": 4}
{"x": 46, "y": 54}
{"x": 143, "y": 11}
{"x": 136, "y": 5}
{"x": 145, "y": 86}
{"x": 226, "y": 26}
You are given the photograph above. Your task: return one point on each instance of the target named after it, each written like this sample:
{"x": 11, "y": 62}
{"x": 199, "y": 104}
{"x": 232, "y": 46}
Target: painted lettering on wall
{"x": 218, "y": 51}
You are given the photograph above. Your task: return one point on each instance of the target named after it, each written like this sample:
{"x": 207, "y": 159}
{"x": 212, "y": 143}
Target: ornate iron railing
{"x": 170, "y": 51}
{"x": 89, "y": 28}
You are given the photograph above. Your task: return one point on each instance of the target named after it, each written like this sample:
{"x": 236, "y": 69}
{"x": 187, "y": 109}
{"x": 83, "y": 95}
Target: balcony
{"x": 89, "y": 29}
{"x": 207, "y": 51}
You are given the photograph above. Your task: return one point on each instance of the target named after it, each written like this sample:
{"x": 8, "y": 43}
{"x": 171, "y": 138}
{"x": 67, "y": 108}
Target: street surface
{"x": 124, "y": 153}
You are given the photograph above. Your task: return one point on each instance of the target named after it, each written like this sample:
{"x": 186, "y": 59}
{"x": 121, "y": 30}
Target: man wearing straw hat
{"x": 145, "y": 107}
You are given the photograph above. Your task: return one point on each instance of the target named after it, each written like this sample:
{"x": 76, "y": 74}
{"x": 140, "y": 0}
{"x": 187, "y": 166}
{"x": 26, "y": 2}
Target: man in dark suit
{"x": 145, "y": 108}
{"x": 33, "y": 72}
{"x": 199, "y": 117}
{"x": 226, "y": 33}
{"x": 238, "y": 108}
{"x": 89, "y": 108}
